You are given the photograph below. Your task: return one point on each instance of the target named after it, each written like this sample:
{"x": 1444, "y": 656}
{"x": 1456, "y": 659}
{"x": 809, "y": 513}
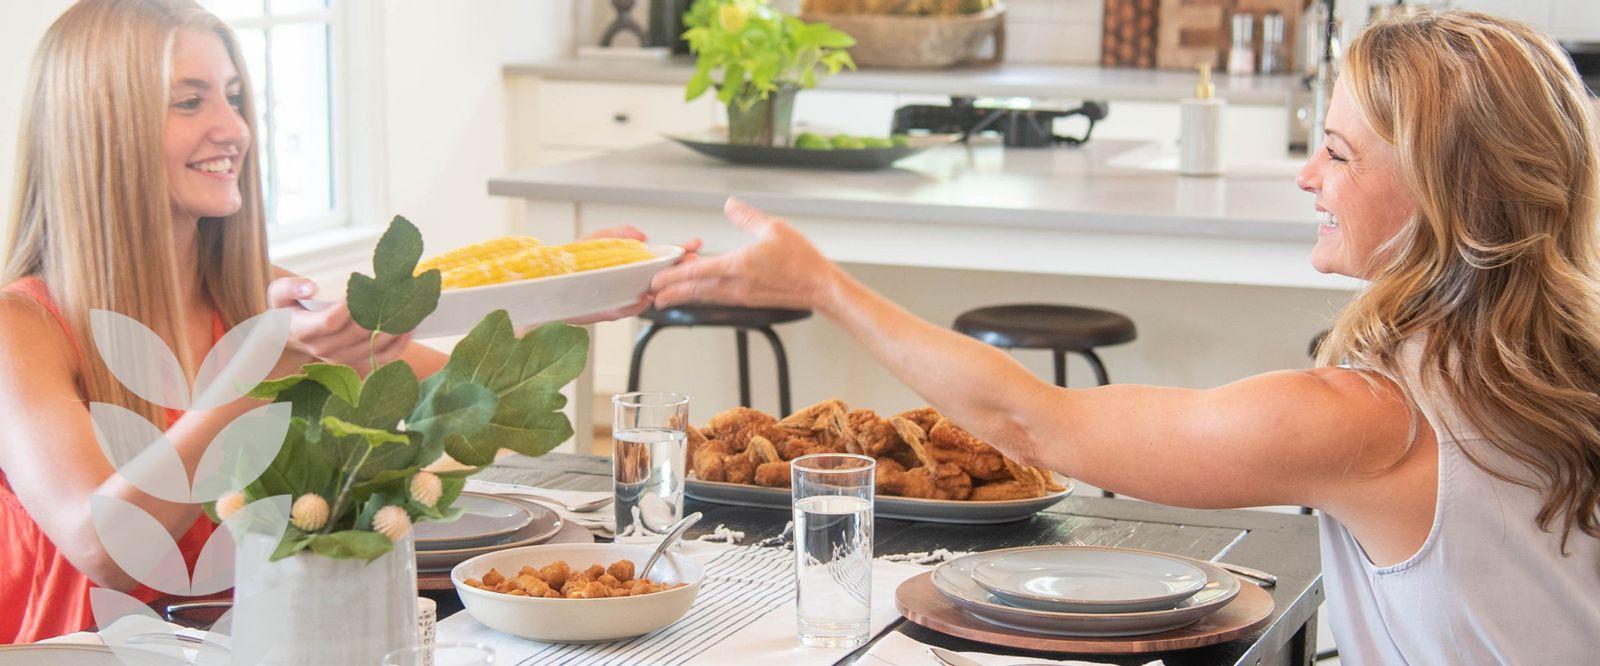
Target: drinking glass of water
{"x": 833, "y": 548}
{"x": 648, "y": 431}
{"x": 441, "y": 654}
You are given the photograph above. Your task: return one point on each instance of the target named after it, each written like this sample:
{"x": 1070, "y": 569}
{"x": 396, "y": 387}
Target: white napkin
{"x": 897, "y": 649}
{"x": 769, "y": 638}
{"x": 602, "y": 522}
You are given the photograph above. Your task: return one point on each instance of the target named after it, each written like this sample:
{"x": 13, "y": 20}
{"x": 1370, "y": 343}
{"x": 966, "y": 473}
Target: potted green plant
{"x": 339, "y": 584}
{"x": 758, "y": 58}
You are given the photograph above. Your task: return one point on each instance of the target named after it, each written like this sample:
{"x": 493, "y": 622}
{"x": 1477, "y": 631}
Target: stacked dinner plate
{"x": 488, "y": 523}
{"x": 1084, "y": 591}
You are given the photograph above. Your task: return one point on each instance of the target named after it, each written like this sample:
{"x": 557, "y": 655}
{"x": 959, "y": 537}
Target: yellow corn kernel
{"x": 528, "y": 263}
{"x": 477, "y": 252}
{"x": 604, "y": 252}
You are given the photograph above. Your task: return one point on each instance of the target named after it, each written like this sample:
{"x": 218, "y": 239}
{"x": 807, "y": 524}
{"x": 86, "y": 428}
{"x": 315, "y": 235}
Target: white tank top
{"x": 1487, "y": 586}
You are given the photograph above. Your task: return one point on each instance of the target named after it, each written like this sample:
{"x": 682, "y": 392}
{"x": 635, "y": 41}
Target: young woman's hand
{"x": 629, "y": 231}
{"x": 330, "y": 334}
{"x": 780, "y": 270}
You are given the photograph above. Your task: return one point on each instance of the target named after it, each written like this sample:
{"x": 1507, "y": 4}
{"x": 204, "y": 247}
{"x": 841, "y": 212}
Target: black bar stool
{"x": 1062, "y": 329}
{"x": 742, "y": 320}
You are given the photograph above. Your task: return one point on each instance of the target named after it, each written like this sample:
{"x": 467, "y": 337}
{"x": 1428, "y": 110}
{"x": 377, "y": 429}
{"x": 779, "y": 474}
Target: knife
{"x": 950, "y": 657}
{"x": 1267, "y": 580}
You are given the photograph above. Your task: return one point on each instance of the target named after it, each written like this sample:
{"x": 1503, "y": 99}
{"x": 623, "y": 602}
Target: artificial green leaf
{"x": 297, "y": 470}
{"x": 529, "y": 433}
{"x": 340, "y": 380}
{"x": 450, "y": 490}
{"x": 393, "y": 300}
{"x": 294, "y": 540}
{"x": 374, "y": 437}
{"x": 388, "y": 396}
{"x": 457, "y": 410}
{"x": 369, "y": 508}
{"x": 270, "y": 388}
{"x": 351, "y": 545}
{"x": 306, "y": 401}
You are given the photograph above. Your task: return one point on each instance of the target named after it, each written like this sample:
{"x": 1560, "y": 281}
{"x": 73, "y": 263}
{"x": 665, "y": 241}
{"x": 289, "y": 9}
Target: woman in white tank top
{"x": 1455, "y": 447}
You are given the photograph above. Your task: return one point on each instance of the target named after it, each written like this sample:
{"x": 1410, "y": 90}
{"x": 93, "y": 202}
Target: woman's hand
{"x": 330, "y": 334}
{"x": 629, "y": 231}
{"x": 781, "y": 270}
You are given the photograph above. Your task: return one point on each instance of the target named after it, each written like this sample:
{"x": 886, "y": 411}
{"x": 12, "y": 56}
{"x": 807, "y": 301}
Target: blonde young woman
{"x": 138, "y": 192}
{"x": 1451, "y": 434}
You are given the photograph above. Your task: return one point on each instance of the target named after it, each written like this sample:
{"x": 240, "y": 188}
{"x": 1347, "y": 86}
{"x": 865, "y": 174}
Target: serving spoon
{"x": 671, "y": 538}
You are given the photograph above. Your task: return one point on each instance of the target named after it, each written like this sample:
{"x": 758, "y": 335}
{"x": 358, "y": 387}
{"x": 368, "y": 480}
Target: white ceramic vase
{"x": 310, "y": 609}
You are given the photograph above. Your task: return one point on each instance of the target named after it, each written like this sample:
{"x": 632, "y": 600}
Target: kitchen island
{"x": 1214, "y": 271}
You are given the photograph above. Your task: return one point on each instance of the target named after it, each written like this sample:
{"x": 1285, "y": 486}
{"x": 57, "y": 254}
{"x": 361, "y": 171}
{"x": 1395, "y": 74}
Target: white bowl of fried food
{"x": 576, "y": 593}
{"x": 920, "y": 453}
{"x": 537, "y": 283}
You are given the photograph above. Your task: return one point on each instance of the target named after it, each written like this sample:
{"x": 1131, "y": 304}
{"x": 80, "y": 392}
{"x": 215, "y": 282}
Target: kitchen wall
{"x": 21, "y": 26}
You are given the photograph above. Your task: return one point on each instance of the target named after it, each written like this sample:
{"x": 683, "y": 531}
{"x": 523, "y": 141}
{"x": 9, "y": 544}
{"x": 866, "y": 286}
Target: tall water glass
{"x": 441, "y": 654}
{"x": 833, "y": 548}
{"x": 649, "y": 432}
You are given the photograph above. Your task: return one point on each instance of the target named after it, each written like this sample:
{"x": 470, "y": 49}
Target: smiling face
{"x": 206, "y": 134}
{"x": 1361, "y": 198}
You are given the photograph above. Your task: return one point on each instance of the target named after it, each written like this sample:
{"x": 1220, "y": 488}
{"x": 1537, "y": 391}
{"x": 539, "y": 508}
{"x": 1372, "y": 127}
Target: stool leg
{"x": 742, "y": 337}
{"x": 1098, "y": 367}
{"x": 649, "y": 331}
{"x": 1061, "y": 367}
{"x": 784, "y": 407}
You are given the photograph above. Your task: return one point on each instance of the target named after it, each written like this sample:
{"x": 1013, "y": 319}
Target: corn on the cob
{"x": 471, "y": 254}
{"x": 528, "y": 263}
{"x": 604, "y": 252}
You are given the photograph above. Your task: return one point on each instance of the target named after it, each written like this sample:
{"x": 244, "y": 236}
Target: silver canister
{"x": 1274, "y": 53}
{"x": 1242, "y": 55}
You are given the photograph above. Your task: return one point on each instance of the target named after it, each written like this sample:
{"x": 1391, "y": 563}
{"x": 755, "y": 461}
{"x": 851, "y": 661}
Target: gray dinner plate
{"x": 545, "y": 524}
{"x": 888, "y": 506}
{"x": 71, "y": 654}
{"x": 714, "y": 143}
{"x": 954, "y": 580}
{"x": 485, "y": 519}
{"x": 1083, "y": 580}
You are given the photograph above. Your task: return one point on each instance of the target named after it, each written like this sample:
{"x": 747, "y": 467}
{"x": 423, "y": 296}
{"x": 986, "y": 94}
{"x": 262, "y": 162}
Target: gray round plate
{"x": 888, "y": 506}
{"x": 545, "y": 524}
{"x": 954, "y": 580}
{"x": 1081, "y": 580}
{"x": 715, "y": 144}
{"x": 485, "y": 519}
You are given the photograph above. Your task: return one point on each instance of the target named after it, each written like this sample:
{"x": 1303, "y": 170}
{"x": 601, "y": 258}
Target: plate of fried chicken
{"x": 929, "y": 469}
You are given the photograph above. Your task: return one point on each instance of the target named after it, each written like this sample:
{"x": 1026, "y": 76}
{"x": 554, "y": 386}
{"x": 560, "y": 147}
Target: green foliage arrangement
{"x": 749, "y": 50}
{"x": 363, "y": 443}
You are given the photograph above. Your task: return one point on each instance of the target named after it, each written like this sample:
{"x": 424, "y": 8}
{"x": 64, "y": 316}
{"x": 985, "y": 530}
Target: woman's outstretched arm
{"x": 1297, "y": 437}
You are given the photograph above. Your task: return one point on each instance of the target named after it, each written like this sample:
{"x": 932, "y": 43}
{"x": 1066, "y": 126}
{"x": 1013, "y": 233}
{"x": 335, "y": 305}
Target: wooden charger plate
{"x": 920, "y": 602}
{"x": 571, "y": 532}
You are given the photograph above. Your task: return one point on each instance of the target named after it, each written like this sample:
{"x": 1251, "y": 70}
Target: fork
{"x": 586, "y": 507}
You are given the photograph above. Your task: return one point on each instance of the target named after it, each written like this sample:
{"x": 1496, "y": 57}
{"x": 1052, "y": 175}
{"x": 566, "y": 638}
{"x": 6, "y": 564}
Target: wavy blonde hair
{"x": 93, "y": 215}
{"x": 1498, "y": 273}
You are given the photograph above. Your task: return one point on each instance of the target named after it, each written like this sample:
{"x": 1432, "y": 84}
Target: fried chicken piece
{"x": 930, "y": 480}
{"x": 594, "y": 572}
{"x": 734, "y": 427}
{"x": 948, "y": 443}
{"x": 806, "y": 419}
{"x": 533, "y": 585}
{"x": 771, "y": 470}
{"x": 621, "y": 570}
{"x": 591, "y": 590}
{"x": 1025, "y": 483}
{"x": 878, "y": 438}
{"x": 1050, "y": 483}
{"x": 713, "y": 462}
{"x": 695, "y": 438}
{"x": 555, "y": 573}
{"x": 827, "y": 422}
{"x": 796, "y": 446}
{"x": 925, "y": 418}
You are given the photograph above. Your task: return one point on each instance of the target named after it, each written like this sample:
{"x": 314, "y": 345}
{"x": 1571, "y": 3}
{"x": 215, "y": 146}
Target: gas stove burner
{"x": 1022, "y": 128}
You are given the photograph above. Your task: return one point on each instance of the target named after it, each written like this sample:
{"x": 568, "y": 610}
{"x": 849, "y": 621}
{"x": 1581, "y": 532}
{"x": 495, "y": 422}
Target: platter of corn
{"x": 536, "y": 283}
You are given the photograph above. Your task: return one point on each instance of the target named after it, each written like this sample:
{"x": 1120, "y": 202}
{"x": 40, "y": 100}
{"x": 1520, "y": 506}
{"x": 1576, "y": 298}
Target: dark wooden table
{"x": 1282, "y": 544}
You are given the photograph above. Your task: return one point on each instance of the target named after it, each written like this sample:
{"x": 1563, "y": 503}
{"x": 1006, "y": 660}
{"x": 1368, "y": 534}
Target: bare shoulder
{"x": 35, "y": 347}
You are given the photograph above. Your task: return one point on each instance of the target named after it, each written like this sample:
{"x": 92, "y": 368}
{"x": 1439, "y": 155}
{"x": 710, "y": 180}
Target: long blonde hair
{"x": 93, "y": 215}
{"x": 1498, "y": 273}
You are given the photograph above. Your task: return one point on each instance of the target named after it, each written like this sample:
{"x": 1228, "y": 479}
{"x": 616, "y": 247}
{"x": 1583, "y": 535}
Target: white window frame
{"x": 343, "y": 237}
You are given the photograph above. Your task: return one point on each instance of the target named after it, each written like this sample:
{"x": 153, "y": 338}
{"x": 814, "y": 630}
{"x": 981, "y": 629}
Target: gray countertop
{"x": 1105, "y": 187}
{"x": 1009, "y": 80}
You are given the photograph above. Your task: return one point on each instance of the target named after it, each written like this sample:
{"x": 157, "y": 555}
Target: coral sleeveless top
{"x": 41, "y": 593}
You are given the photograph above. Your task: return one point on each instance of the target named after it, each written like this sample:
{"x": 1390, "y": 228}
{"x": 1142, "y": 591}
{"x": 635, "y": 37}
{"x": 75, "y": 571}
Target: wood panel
{"x": 1128, "y": 33}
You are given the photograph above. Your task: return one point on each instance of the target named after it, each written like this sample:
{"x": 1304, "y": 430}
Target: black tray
{"x": 715, "y": 144}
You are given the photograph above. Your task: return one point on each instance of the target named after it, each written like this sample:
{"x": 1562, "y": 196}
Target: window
{"x": 290, "y": 50}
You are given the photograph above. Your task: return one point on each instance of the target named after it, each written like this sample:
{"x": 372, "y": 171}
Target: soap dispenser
{"x": 1200, "y": 129}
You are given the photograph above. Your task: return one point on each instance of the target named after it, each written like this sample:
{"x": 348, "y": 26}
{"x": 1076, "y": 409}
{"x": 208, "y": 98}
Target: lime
{"x": 847, "y": 142}
{"x": 809, "y": 141}
{"x": 876, "y": 142}
{"x": 900, "y": 140}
